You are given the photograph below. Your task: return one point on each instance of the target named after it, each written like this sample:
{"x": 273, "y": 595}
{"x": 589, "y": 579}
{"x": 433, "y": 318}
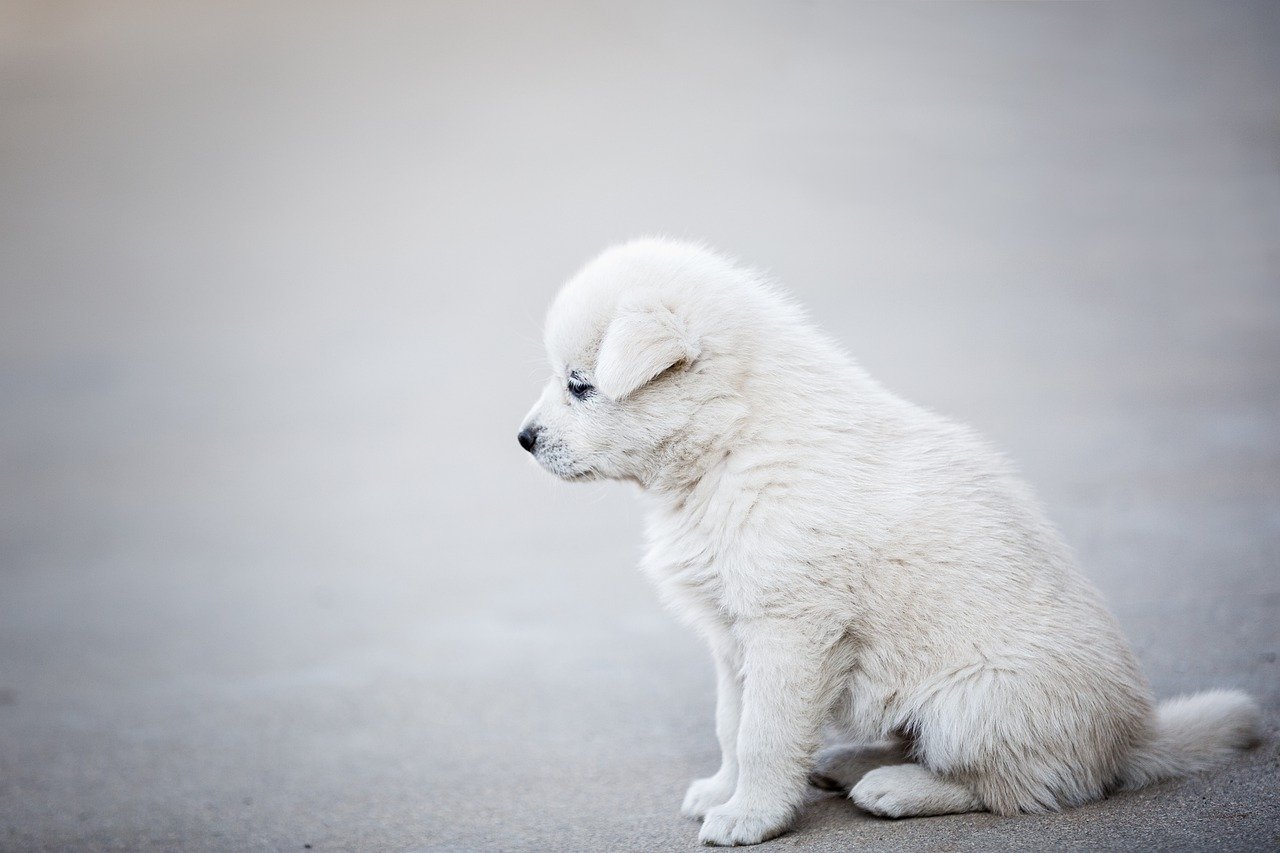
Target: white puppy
{"x": 851, "y": 558}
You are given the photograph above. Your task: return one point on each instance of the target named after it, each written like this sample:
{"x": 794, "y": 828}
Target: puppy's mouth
{"x": 571, "y": 475}
{"x": 552, "y": 463}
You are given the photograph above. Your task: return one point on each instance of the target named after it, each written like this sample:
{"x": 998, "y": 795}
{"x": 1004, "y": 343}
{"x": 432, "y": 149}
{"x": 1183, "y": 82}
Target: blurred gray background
{"x": 273, "y": 569}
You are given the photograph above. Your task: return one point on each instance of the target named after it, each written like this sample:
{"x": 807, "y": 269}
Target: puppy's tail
{"x": 1194, "y": 733}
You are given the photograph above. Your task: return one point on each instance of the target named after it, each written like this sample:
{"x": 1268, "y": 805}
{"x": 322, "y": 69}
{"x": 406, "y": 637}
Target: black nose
{"x": 528, "y": 437}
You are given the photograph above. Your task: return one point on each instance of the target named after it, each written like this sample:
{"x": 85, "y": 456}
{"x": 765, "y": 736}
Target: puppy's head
{"x": 634, "y": 372}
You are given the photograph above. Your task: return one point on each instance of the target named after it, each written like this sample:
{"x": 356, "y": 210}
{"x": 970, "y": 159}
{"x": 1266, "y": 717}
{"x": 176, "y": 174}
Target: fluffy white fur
{"x": 853, "y": 560}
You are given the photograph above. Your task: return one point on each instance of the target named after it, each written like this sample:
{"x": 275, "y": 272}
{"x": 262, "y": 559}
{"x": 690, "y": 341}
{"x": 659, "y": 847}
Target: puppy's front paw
{"x": 728, "y": 825}
{"x": 705, "y": 794}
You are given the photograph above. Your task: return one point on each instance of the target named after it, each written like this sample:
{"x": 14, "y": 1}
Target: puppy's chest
{"x": 686, "y": 563}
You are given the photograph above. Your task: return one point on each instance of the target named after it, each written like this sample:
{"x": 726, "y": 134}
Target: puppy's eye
{"x": 579, "y": 388}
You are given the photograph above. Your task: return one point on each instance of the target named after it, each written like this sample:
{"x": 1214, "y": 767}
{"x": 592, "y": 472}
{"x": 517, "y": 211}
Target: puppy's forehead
{"x": 576, "y": 323}
{"x": 583, "y": 309}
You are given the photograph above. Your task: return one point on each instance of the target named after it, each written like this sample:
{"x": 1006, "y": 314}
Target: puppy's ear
{"x": 641, "y": 342}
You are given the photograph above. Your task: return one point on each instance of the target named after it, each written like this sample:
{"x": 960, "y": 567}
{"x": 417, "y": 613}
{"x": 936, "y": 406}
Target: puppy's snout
{"x": 528, "y": 437}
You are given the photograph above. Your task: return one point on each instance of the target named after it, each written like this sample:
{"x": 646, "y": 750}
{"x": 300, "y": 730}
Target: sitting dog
{"x": 852, "y": 559}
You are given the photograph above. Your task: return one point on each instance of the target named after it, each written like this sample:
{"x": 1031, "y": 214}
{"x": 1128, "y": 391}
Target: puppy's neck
{"x": 674, "y": 485}
{"x": 688, "y": 460}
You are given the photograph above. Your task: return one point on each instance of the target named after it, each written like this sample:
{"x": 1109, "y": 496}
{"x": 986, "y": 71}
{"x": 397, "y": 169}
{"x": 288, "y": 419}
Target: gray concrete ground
{"x": 273, "y": 571}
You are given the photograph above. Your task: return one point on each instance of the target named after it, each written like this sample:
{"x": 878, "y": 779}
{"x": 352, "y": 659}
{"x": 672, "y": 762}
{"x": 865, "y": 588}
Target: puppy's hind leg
{"x": 912, "y": 790}
{"x": 838, "y": 768}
